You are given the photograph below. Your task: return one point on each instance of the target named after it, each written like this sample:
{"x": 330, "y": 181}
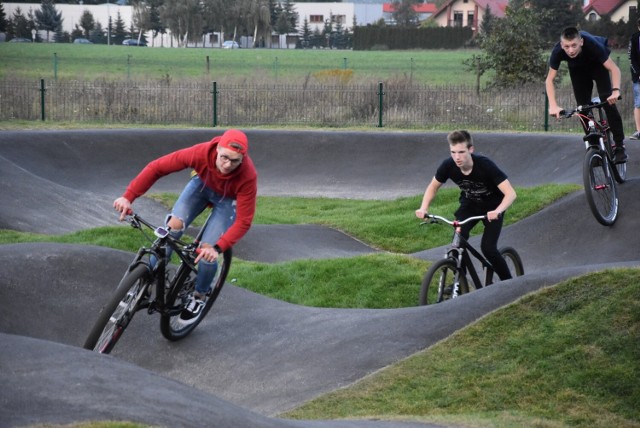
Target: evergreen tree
{"x": 3, "y": 19}
{"x": 48, "y": 18}
{"x": 21, "y": 27}
{"x": 87, "y": 23}
{"x": 119, "y": 31}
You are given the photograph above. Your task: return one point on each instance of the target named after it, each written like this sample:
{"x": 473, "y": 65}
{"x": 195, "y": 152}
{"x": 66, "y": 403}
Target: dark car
{"x": 81, "y": 41}
{"x": 133, "y": 42}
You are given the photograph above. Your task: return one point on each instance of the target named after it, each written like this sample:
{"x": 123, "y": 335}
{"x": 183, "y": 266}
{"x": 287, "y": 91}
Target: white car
{"x": 230, "y": 44}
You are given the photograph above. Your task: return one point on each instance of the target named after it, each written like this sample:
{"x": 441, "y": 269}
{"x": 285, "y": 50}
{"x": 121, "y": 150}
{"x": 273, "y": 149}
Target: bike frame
{"x": 459, "y": 251}
{"x": 595, "y": 129}
{"x": 159, "y": 250}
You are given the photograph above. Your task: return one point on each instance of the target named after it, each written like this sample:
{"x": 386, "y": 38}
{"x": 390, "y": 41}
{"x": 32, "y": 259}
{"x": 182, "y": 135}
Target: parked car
{"x": 20, "y": 40}
{"x": 82, "y": 41}
{"x": 230, "y": 44}
{"x": 133, "y": 42}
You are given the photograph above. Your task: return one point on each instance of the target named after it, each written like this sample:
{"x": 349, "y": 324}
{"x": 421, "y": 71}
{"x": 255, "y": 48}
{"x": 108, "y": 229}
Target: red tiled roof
{"x": 498, "y": 7}
{"x": 418, "y": 8}
{"x": 603, "y": 7}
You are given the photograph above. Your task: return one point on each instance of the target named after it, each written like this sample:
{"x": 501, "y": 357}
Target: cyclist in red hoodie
{"x": 225, "y": 178}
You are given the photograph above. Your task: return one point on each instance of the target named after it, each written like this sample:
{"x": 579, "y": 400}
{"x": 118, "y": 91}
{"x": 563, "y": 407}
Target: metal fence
{"x": 391, "y": 105}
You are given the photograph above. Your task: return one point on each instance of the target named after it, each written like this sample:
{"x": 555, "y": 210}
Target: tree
{"x": 48, "y": 18}
{"x": 404, "y": 13}
{"x": 119, "y": 31}
{"x": 184, "y": 19}
{"x": 3, "y": 19}
{"x": 20, "y": 24}
{"x": 514, "y": 50}
{"x": 556, "y": 15}
{"x": 87, "y": 23}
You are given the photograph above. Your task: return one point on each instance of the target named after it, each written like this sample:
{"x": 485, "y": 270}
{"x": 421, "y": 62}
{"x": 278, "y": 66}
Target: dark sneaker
{"x": 635, "y": 136}
{"x": 620, "y": 155}
{"x": 191, "y": 311}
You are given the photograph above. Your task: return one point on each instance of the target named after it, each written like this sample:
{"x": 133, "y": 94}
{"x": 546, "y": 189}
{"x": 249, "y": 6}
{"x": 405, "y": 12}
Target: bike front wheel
{"x": 171, "y": 326}
{"x": 619, "y": 169}
{"x": 118, "y": 312}
{"x": 440, "y": 281}
{"x": 513, "y": 260}
{"x": 600, "y": 187}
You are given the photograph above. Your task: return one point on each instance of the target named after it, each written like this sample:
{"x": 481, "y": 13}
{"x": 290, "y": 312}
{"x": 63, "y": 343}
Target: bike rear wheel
{"x": 118, "y": 312}
{"x": 600, "y": 187}
{"x": 438, "y": 282}
{"x": 171, "y": 326}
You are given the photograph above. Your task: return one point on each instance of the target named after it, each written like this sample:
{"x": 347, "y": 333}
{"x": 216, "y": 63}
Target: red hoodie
{"x": 241, "y": 184}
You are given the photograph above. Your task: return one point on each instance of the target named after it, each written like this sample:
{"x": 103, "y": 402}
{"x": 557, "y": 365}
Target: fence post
{"x": 42, "y": 91}
{"x": 546, "y": 112}
{"x": 215, "y": 104}
{"x": 380, "y": 96}
{"x": 55, "y": 66}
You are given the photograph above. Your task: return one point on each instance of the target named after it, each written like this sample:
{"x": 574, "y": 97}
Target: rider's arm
{"x": 509, "y": 196}
{"x": 616, "y": 79}
{"x": 429, "y": 195}
{"x": 554, "y": 108}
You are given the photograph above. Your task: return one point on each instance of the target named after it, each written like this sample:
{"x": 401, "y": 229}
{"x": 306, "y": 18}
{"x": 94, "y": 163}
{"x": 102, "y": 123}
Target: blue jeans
{"x": 192, "y": 201}
{"x": 636, "y": 95}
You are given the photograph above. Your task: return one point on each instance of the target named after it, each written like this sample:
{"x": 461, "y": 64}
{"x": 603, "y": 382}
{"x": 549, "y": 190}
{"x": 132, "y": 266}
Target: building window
{"x": 457, "y": 19}
{"x": 338, "y": 19}
{"x": 316, "y": 19}
{"x": 470, "y": 19}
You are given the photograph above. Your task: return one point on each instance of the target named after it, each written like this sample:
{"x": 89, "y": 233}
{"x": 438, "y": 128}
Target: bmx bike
{"x": 599, "y": 170}
{"x": 447, "y": 278}
{"x": 154, "y": 287}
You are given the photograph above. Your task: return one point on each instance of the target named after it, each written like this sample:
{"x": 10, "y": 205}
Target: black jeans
{"x": 489, "y": 242}
{"x": 582, "y": 79}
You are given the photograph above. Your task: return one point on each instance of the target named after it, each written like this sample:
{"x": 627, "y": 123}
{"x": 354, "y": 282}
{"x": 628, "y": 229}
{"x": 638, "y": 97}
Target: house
{"x": 616, "y": 9}
{"x": 468, "y": 13}
{"x": 423, "y": 10}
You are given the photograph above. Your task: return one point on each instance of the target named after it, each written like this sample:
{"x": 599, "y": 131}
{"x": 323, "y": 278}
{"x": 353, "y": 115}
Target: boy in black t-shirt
{"x": 484, "y": 190}
{"x": 588, "y": 60}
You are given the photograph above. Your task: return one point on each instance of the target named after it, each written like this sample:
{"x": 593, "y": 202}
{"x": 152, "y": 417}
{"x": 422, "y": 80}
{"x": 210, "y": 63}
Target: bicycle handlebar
{"x": 454, "y": 223}
{"x": 584, "y": 109}
{"x": 161, "y": 232}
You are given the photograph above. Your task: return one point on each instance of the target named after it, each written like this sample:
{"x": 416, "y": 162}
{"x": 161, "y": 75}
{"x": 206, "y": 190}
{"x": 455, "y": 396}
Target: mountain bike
{"x": 150, "y": 284}
{"x": 447, "y": 278}
{"x": 598, "y": 175}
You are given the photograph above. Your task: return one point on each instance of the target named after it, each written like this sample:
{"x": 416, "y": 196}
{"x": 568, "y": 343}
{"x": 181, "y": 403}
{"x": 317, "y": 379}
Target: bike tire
{"x": 600, "y": 187}
{"x": 619, "y": 169}
{"x": 116, "y": 315}
{"x": 513, "y": 259}
{"x": 170, "y": 325}
{"x": 438, "y": 278}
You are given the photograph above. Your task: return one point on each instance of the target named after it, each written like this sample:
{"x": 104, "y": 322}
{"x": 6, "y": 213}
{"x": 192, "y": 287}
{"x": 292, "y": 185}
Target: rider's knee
{"x": 175, "y": 223}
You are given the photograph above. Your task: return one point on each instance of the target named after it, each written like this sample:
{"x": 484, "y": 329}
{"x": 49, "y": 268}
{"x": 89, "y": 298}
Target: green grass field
{"x": 88, "y": 62}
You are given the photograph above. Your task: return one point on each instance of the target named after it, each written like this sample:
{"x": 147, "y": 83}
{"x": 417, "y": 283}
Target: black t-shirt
{"x": 595, "y": 51}
{"x": 479, "y": 190}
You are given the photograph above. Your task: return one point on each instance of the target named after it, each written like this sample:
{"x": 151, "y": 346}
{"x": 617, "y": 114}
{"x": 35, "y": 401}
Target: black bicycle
{"x": 597, "y": 172}
{"x": 447, "y": 278}
{"x": 155, "y": 287}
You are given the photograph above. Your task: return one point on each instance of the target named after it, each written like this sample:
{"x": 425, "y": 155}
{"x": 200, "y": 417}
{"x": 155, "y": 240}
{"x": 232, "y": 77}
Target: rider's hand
{"x": 555, "y": 111}
{"x": 123, "y": 206}
{"x": 420, "y": 213}
{"x": 612, "y": 99}
{"x": 493, "y": 215}
{"x": 207, "y": 252}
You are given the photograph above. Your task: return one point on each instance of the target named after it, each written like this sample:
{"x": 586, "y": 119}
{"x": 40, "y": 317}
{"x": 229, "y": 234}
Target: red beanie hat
{"x": 235, "y": 140}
